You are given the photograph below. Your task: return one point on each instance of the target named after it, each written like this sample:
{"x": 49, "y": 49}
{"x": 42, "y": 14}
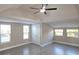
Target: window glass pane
{"x": 58, "y": 32}
{"x": 72, "y": 33}
{"x": 5, "y": 33}
{"x": 26, "y": 31}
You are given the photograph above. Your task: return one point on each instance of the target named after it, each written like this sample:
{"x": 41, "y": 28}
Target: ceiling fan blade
{"x": 51, "y": 9}
{"x": 42, "y": 6}
{"x": 36, "y": 12}
{"x": 34, "y": 8}
{"x": 46, "y": 4}
{"x": 45, "y": 13}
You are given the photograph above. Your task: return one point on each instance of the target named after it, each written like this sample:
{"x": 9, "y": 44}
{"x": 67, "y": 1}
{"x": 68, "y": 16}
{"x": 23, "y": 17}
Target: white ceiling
{"x": 24, "y": 13}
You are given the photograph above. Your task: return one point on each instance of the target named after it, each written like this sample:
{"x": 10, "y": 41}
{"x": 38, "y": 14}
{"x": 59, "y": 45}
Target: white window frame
{"x": 27, "y": 33}
{"x": 5, "y": 34}
{"x": 60, "y": 32}
{"x": 75, "y": 34}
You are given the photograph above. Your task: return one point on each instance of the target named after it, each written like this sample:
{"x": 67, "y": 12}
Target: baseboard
{"x": 77, "y": 45}
{"x": 36, "y": 43}
{"x": 14, "y": 46}
{"x": 46, "y": 44}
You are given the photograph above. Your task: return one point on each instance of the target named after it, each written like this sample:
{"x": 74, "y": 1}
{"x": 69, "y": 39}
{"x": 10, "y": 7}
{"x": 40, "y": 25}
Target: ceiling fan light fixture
{"x": 42, "y": 10}
{"x": 44, "y": 7}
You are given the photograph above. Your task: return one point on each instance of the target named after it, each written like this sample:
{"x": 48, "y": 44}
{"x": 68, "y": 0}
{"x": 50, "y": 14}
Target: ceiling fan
{"x": 43, "y": 9}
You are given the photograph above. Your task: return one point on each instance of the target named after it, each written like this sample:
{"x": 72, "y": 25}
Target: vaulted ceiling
{"x": 22, "y": 12}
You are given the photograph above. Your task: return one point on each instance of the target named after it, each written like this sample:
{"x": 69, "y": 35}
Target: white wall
{"x": 16, "y": 36}
{"x": 36, "y": 33}
{"x": 64, "y": 38}
{"x": 47, "y": 34}
{"x": 42, "y": 34}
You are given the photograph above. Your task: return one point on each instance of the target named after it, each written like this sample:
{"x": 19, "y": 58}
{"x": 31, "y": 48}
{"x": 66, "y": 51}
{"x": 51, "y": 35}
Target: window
{"x": 58, "y": 32}
{"x": 25, "y": 31}
{"x": 72, "y": 33}
{"x": 5, "y": 31}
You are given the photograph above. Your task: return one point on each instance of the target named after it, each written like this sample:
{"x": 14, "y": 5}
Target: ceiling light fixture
{"x": 42, "y": 10}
